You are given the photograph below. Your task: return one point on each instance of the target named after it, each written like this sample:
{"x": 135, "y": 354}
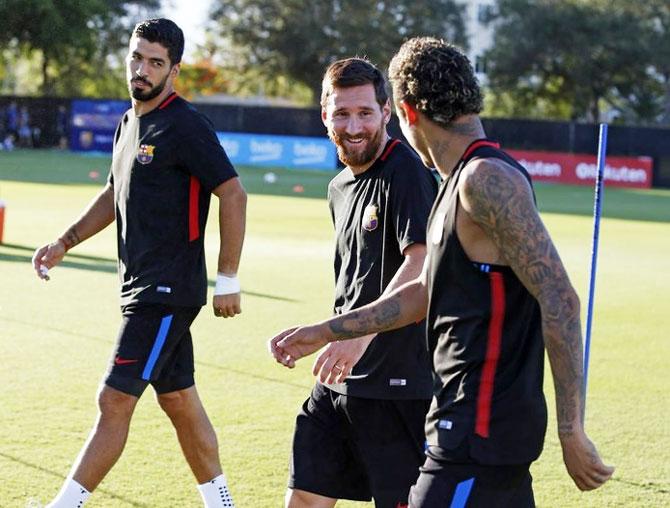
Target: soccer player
{"x": 494, "y": 292}
{"x": 166, "y": 163}
{"x": 360, "y": 435}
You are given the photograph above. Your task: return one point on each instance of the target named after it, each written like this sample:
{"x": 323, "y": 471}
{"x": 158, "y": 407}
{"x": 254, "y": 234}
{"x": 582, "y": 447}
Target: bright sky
{"x": 190, "y": 15}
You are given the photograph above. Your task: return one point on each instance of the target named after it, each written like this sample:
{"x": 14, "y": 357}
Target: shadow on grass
{"x": 25, "y": 255}
{"x": 98, "y": 264}
{"x": 259, "y": 377}
{"x": 655, "y": 487}
{"x": 209, "y": 365}
{"x": 37, "y": 467}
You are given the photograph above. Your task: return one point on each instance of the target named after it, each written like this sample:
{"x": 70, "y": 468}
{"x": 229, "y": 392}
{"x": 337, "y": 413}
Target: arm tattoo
{"x": 70, "y": 238}
{"x": 501, "y": 203}
{"x": 369, "y": 319}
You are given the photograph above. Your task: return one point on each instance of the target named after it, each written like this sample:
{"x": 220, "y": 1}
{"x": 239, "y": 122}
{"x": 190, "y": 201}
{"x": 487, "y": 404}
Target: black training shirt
{"x": 165, "y": 165}
{"x": 377, "y": 215}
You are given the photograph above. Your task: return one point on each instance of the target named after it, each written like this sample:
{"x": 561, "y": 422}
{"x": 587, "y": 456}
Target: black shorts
{"x": 445, "y": 484}
{"x": 348, "y": 447}
{"x": 154, "y": 347}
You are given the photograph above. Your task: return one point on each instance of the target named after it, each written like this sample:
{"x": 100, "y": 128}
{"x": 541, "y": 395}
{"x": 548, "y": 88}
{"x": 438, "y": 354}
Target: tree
{"x": 219, "y": 67}
{"x": 73, "y": 37}
{"x": 656, "y": 16}
{"x": 299, "y": 38}
{"x": 572, "y": 56}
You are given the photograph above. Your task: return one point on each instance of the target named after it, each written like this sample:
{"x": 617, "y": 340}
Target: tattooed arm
{"x": 407, "y": 304}
{"x": 498, "y": 199}
{"x": 335, "y": 362}
{"x": 97, "y": 216}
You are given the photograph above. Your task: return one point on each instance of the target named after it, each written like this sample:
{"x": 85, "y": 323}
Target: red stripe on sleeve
{"x": 193, "y": 212}
{"x": 483, "y": 418}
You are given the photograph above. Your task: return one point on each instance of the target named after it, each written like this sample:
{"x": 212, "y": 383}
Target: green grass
{"x": 56, "y": 339}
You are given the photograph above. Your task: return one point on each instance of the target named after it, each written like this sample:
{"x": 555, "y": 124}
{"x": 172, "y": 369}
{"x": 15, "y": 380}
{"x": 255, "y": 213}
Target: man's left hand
{"x": 226, "y": 305}
{"x": 337, "y": 359}
{"x": 582, "y": 461}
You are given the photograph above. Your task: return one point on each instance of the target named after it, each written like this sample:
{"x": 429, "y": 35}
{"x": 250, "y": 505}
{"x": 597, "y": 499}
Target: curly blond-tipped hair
{"x": 436, "y": 78}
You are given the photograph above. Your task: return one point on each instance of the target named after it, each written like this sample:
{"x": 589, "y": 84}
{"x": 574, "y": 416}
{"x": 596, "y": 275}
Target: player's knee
{"x": 173, "y": 403}
{"x": 296, "y": 498}
{"x": 113, "y": 403}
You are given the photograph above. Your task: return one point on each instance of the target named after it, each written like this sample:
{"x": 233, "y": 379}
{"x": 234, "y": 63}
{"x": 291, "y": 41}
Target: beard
{"x": 146, "y": 95}
{"x": 357, "y": 156}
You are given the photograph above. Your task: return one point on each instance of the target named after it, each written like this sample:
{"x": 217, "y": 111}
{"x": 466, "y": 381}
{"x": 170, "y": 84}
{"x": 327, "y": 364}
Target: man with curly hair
{"x": 494, "y": 293}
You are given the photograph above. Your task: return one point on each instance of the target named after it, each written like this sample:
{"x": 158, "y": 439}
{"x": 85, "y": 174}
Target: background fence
{"x": 569, "y": 137}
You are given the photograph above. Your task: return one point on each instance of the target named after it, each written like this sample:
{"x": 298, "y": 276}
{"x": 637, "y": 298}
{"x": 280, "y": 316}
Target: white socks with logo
{"x": 71, "y": 495}
{"x": 215, "y": 493}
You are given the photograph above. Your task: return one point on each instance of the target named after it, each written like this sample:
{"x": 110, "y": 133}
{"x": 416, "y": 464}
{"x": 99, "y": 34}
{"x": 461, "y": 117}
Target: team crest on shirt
{"x": 145, "y": 154}
{"x": 370, "y": 219}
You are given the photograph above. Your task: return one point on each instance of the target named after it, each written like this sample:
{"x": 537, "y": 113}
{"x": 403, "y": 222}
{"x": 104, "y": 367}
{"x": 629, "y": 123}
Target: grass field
{"x": 56, "y": 338}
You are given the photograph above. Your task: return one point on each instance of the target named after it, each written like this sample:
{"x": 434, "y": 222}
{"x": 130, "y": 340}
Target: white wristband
{"x": 226, "y": 285}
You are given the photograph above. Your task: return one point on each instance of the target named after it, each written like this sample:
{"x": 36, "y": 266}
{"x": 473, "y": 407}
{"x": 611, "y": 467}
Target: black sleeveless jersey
{"x": 484, "y": 336}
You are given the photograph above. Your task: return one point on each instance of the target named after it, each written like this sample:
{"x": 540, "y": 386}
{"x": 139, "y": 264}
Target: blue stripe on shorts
{"x": 462, "y": 493}
{"x": 158, "y": 345}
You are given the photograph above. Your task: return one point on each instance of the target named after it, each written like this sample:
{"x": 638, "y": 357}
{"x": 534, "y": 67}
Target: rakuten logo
{"x": 541, "y": 168}
{"x": 586, "y": 171}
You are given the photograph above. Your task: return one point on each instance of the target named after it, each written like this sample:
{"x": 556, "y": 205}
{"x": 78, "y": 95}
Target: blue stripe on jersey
{"x": 482, "y": 267}
{"x": 462, "y": 493}
{"x": 158, "y": 345}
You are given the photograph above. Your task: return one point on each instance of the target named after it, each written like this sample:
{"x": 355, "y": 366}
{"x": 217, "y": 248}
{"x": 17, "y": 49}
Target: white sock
{"x": 71, "y": 495}
{"x": 215, "y": 493}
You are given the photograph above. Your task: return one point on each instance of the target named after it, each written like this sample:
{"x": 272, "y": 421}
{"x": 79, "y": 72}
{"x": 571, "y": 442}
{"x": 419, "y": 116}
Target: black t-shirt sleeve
{"x": 202, "y": 155}
{"x": 413, "y": 190}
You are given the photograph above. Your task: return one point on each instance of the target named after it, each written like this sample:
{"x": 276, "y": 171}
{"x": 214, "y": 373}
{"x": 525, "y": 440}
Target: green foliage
{"x": 223, "y": 68}
{"x": 575, "y": 55}
{"x": 656, "y": 35}
{"x": 298, "y": 39}
{"x": 76, "y": 40}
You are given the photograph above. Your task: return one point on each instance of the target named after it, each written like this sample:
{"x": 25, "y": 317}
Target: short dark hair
{"x": 436, "y": 78}
{"x": 166, "y": 33}
{"x": 352, "y": 72}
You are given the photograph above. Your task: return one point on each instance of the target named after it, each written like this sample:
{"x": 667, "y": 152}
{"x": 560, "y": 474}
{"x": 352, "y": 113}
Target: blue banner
{"x": 296, "y": 152}
{"x": 93, "y": 123}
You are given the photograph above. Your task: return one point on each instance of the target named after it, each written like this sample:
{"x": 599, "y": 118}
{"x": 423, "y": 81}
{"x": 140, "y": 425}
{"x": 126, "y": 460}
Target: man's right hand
{"x": 48, "y": 256}
{"x": 294, "y": 343}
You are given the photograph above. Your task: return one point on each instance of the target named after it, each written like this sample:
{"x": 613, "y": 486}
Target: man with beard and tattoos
{"x": 360, "y": 433}
{"x": 494, "y": 293}
{"x": 166, "y": 163}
